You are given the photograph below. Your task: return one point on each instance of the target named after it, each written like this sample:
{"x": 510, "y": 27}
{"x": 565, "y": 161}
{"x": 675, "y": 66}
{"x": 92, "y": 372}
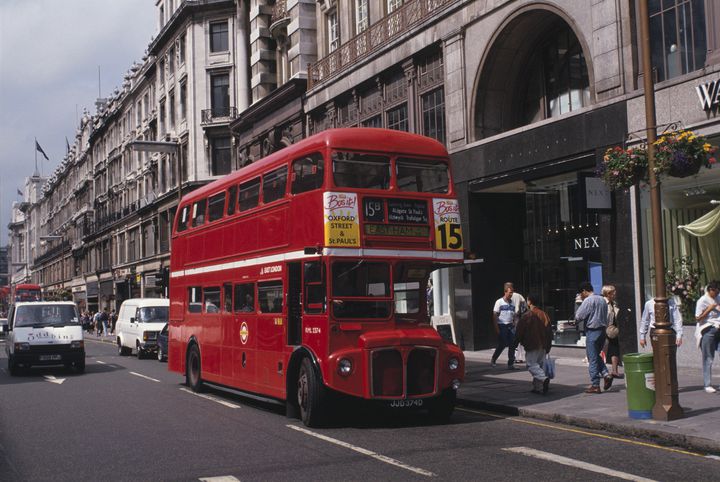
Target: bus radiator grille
{"x": 387, "y": 373}
{"x": 421, "y": 371}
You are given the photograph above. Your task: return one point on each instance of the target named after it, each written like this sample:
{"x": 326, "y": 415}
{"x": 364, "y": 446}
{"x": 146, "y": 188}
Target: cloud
{"x": 50, "y": 51}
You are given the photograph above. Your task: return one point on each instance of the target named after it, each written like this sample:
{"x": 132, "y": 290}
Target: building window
{"x": 361, "y": 16}
{"x": 677, "y": 36}
{"x": 221, "y": 159}
{"x": 183, "y": 101}
{"x": 333, "y": 28}
{"x": 219, "y": 36}
{"x": 397, "y": 118}
{"x": 373, "y": 122}
{"x": 161, "y": 116}
{"x": 393, "y": 5}
{"x": 161, "y": 72}
{"x": 171, "y": 61}
{"x": 138, "y": 111}
{"x": 171, "y": 110}
{"x": 220, "y": 95}
{"x": 433, "y": 114}
{"x": 181, "y": 49}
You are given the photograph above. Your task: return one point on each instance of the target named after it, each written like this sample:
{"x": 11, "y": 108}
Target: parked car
{"x": 138, "y": 324}
{"x": 44, "y": 333}
{"x": 162, "y": 344}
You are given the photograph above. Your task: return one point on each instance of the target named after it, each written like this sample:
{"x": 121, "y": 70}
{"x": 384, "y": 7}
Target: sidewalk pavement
{"x": 508, "y": 391}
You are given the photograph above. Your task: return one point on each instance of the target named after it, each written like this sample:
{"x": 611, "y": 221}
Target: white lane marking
{"x": 101, "y": 362}
{"x": 538, "y": 454}
{"x": 211, "y": 398}
{"x": 52, "y": 379}
{"x": 221, "y": 478}
{"x": 363, "y": 451}
{"x": 144, "y": 376}
{"x": 714, "y": 457}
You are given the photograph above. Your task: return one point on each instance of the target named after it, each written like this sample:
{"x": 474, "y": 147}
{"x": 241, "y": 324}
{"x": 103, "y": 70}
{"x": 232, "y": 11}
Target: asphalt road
{"x": 129, "y": 419}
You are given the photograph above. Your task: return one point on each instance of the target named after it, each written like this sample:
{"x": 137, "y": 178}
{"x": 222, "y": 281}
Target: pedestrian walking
{"x": 612, "y": 332}
{"x": 534, "y": 332}
{"x": 113, "y": 321}
{"x": 520, "y": 308}
{"x": 97, "y": 323}
{"x": 593, "y": 313}
{"x": 707, "y": 331}
{"x": 105, "y": 320}
{"x": 504, "y": 322}
{"x": 647, "y": 320}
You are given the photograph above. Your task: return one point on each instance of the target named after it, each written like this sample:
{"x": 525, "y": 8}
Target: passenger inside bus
{"x": 248, "y": 305}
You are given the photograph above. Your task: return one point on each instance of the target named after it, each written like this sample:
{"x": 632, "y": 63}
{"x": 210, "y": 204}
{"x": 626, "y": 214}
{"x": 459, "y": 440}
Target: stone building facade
{"x": 526, "y": 95}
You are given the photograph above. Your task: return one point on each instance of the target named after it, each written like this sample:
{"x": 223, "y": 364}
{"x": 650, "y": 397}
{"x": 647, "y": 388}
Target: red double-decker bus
{"x": 305, "y": 274}
{"x": 26, "y": 292}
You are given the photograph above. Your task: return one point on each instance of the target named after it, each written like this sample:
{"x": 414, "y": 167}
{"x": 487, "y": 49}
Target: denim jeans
{"x": 708, "y": 345}
{"x": 506, "y": 339}
{"x": 594, "y": 341}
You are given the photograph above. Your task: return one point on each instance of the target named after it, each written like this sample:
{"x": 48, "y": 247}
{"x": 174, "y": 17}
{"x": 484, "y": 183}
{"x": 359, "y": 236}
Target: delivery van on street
{"x": 138, "y": 324}
{"x": 44, "y": 333}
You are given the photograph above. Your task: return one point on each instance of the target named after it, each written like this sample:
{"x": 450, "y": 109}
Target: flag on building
{"x": 40, "y": 149}
{"x": 20, "y": 193}
{"x": 67, "y": 145}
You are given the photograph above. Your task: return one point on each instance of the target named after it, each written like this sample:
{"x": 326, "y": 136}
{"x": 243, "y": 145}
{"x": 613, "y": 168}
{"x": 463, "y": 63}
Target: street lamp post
{"x": 667, "y": 405}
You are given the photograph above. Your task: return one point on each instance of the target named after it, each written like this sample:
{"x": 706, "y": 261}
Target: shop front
{"x": 539, "y": 217}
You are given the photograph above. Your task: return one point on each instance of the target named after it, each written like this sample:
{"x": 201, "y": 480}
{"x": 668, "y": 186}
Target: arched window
{"x": 535, "y": 70}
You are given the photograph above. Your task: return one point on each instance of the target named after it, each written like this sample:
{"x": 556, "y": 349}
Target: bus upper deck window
{"x": 249, "y": 195}
{"x": 354, "y": 169}
{"x": 216, "y": 207}
{"x": 307, "y": 173}
{"x": 199, "y": 212}
{"x": 184, "y": 217}
{"x": 232, "y": 200}
{"x": 419, "y": 175}
{"x": 274, "y": 183}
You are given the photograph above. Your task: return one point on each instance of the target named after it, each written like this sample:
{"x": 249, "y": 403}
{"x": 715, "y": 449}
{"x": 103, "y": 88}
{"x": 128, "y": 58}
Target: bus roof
{"x": 355, "y": 138}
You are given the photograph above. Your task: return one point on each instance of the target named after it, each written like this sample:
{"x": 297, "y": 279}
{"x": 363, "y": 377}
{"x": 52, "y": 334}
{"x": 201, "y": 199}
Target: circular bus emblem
{"x": 244, "y": 332}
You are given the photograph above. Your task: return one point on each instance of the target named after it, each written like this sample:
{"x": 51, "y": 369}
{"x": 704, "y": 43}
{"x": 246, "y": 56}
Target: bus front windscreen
{"x": 361, "y": 289}
{"x": 421, "y": 175}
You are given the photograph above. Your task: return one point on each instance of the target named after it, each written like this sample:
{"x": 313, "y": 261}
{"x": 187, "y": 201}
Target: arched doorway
{"x": 535, "y": 69}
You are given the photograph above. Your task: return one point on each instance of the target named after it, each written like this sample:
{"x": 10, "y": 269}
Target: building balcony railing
{"x": 52, "y": 252}
{"x": 218, "y": 115}
{"x": 373, "y": 39}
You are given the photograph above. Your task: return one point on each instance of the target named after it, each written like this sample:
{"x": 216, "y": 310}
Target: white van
{"x": 44, "y": 333}
{"x": 138, "y": 324}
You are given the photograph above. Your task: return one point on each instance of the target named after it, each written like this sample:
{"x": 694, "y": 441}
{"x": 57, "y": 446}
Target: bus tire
{"x": 192, "y": 369}
{"x": 310, "y": 395}
{"x": 441, "y": 408}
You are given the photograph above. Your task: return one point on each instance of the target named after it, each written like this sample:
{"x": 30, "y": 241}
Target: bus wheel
{"x": 192, "y": 369}
{"x": 443, "y": 406}
{"x": 310, "y": 395}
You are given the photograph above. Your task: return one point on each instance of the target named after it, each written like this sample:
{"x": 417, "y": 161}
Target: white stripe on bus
{"x": 294, "y": 255}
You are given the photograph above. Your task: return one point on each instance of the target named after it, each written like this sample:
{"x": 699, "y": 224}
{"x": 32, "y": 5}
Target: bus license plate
{"x": 406, "y": 403}
{"x": 50, "y": 357}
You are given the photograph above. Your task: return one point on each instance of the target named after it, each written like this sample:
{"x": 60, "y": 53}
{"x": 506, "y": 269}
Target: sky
{"x": 50, "y": 51}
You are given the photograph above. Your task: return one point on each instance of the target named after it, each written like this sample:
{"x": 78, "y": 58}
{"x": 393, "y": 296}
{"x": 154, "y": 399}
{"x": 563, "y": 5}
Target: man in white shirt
{"x": 647, "y": 320}
{"x": 707, "y": 314}
{"x": 504, "y": 317}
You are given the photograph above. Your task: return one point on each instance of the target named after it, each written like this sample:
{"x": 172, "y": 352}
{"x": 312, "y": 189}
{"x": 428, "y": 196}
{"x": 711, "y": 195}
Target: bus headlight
{"x": 453, "y": 364}
{"x": 76, "y": 344}
{"x": 344, "y": 367}
{"x": 24, "y": 346}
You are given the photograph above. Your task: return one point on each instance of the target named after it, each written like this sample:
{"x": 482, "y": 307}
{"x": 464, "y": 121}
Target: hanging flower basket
{"x": 622, "y": 168}
{"x": 682, "y": 154}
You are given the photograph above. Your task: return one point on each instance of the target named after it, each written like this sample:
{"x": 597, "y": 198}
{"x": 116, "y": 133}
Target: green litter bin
{"x": 640, "y": 384}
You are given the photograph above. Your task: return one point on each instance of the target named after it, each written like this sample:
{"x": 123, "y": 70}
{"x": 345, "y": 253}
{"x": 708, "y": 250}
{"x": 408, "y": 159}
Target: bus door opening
{"x": 294, "y": 301}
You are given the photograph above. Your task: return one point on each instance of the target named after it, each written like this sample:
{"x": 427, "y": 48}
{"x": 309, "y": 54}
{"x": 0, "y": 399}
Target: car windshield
{"x": 45, "y": 315}
{"x": 153, "y": 314}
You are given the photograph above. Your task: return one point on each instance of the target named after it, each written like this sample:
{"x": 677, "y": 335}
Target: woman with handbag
{"x": 612, "y": 332}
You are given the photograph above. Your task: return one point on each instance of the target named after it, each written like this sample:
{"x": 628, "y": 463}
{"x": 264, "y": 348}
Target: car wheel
{"x": 160, "y": 355}
{"x": 192, "y": 369}
{"x": 310, "y": 395}
{"x": 122, "y": 350}
{"x": 139, "y": 352}
{"x": 13, "y": 366}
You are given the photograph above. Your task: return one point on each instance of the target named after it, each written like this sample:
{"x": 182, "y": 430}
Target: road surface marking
{"x": 144, "y": 376}
{"x": 211, "y": 398}
{"x": 363, "y": 451}
{"x": 559, "y": 459}
{"x": 582, "y": 432}
{"x": 101, "y": 362}
{"x": 52, "y": 379}
{"x": 221, "y": 478}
